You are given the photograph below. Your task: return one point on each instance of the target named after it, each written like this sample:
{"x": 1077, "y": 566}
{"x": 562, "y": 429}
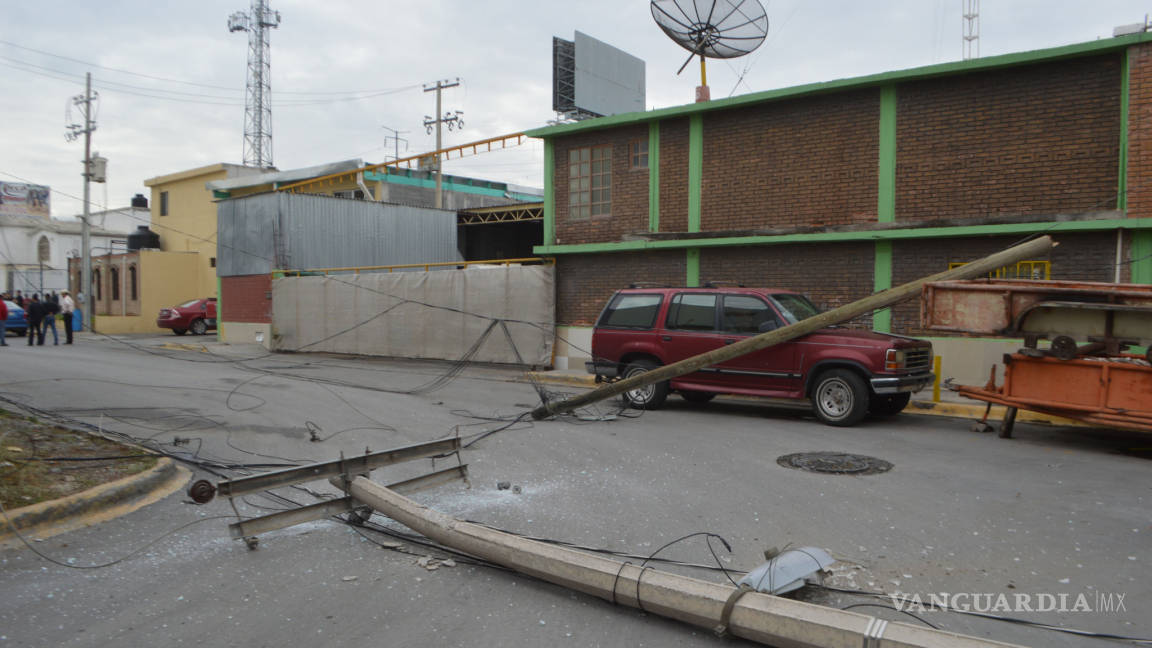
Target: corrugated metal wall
{"x": 282, "y": 231}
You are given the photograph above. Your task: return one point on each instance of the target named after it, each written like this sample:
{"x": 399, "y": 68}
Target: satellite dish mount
{"x": 711, "y": 29}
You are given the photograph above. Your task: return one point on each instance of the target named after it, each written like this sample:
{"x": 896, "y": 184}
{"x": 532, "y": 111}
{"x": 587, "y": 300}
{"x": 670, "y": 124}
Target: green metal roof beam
{"x": 1002, "y": 229}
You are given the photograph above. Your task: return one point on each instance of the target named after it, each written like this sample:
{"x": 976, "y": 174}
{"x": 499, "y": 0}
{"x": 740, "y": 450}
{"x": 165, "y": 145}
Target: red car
{"x": 197, "y": 315}
{"x": 844, "y": 374}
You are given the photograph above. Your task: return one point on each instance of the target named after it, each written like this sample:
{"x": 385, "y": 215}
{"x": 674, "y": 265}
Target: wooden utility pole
{"x": 857, "y": 308}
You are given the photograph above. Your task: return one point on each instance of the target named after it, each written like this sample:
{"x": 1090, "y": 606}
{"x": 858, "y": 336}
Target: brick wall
{"x": 584, "y": 282}
{"x": 830, "y": 274}
{"x": 674, "y": 175}
{"x": 810, "y": 161}
{"x": 1040, "y": 139}
{"x": 629, "y": 189}
{"x": 247, "y": 298}
{"x": 1079, "y": 257}
{"x": 1139, "y": 137}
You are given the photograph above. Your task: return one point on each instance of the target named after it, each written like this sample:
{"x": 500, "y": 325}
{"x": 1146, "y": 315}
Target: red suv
{"x": 845, "y": 373}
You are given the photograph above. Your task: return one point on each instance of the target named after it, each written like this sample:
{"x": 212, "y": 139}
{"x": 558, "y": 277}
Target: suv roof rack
{"x": 718, "y": 284}
{"x": 647, "y": 284}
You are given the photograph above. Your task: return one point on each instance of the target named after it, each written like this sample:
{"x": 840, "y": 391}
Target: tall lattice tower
{"x": 971, "y": 17}
{"x": 258, "y": 93}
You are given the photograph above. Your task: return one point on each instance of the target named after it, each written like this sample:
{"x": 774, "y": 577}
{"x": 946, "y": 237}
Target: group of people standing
{"x": 41, "y": 315}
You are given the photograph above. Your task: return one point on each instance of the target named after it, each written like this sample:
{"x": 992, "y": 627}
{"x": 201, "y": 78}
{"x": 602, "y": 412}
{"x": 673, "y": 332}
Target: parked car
{"x": 17, "y": 322}
{"x": 844, "y": 373}
{"x": 197, "y": 315}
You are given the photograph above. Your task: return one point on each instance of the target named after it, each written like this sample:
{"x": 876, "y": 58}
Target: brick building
{"x": 843, "y": 188}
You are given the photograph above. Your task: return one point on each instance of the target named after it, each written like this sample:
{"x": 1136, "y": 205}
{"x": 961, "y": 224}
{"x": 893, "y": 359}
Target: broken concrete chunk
{"x": 449, "y": 563}
{"x": 503, "y": 485}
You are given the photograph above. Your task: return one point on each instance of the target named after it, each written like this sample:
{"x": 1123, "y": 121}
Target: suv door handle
{"x": 666, "y": 338}
{"x": 729, "y": 341}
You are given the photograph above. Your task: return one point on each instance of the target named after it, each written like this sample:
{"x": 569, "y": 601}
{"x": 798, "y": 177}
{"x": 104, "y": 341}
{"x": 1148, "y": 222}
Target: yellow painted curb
{"x": 95, "y": 505}
{"x": 550, "y": 378}
{"x": 200, "y": 348}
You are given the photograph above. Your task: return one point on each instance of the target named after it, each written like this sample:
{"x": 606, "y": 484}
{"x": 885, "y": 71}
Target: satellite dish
{"x": 712, "y": 28}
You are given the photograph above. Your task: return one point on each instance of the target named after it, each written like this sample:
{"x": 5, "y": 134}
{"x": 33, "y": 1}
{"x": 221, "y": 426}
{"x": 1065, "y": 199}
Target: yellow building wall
{"x": 190, "y": 224}
{"x": 166, "y": 279}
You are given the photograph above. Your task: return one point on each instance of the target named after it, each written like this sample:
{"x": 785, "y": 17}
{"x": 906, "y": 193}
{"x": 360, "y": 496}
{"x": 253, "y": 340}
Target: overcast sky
{"x": 171, "y": 77}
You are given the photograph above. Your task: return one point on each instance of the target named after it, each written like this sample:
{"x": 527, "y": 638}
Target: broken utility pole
{"x": 857, "y": 308}
{"x": 748, "y": 614}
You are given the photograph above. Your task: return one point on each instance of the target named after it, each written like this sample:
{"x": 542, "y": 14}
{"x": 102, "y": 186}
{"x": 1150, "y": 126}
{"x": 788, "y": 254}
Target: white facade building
{"x": 34, "y": 251}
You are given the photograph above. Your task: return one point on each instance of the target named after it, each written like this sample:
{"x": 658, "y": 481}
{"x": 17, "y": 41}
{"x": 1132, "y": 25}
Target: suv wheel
{"x": 696, "y": 396}
{"x": 649, "y": 396}
{"x": 889, "y": 405}
{"x": 198, "y": 327}
{"x": 840, "y": 397}
{"x": 179, "y": 331}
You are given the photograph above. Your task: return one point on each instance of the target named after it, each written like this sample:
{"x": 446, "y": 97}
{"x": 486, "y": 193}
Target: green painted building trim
{"x": 450, "y": 183}
{"x": 220, "y": 195}
{"x": 1141, "y": 225}
{"x": 549, "y": 193}
{"x": 695, "y": 169}
{"x": 1078, "y": 50}
{"x": 1141, "y": 255}
{"x": 653, "y": 176}
{"x": 886, "y": 174}
{"x": 692, "y": 264}
{"x": 882, "y": 280}
{"x": 1122, "y": 172}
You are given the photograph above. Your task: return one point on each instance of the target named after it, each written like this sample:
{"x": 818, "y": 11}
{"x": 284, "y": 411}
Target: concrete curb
{"x": 967, "y": 410}
{"x": 95, "y": 505}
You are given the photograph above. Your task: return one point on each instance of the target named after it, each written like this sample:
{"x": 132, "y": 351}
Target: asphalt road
{"x": 1054, "y": 511}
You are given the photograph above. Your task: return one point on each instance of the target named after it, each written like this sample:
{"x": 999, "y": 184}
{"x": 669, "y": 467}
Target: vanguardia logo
{"x": 988, "y": 602}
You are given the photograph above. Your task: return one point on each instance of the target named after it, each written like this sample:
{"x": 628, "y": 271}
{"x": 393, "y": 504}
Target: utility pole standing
{"x": 84, "y": 103}
{"x": 453, "y": 119}
{"x": 395, "y": 136}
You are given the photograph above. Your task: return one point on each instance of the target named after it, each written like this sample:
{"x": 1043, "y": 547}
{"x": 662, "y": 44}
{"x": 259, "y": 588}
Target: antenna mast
{"x": 971, "y": 18}
{"x": 258, "y": 91}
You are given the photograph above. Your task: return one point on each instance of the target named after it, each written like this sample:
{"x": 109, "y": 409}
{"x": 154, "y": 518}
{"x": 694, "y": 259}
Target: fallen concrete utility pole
{"x": 748, "y": 614}
{"x": 857, "y": 308}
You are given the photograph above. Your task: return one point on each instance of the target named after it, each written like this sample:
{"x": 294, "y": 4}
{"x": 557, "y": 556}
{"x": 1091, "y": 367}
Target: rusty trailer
{"x": 1084, "y": 374}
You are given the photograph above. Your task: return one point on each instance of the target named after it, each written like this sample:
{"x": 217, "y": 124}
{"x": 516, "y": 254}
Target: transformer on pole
{"x": 258, "y": 91}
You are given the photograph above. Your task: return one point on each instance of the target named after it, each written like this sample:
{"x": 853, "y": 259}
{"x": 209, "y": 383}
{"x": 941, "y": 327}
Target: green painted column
{"x": 549, "y": 193}
{"x": 886, "y": 174}
{"x": 695, "y": 169}
{"x": 654, "y": 176}
{"x": 882, "y": 280}
{"x": 693, "y": 264}
{"x": 1122, "y": 170}
{"x": 1141, "y": 255}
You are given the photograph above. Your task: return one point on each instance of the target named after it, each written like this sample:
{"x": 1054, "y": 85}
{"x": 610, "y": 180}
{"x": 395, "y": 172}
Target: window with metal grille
{"x": 590, "y": 182}
{"x": 638, "y": 154}
{"x": 1022, "y": 270}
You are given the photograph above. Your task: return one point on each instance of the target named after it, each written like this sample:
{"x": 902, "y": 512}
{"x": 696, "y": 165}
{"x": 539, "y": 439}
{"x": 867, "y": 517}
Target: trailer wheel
{"x": 1064, "y": 347}
{"x": 840, "y": 398}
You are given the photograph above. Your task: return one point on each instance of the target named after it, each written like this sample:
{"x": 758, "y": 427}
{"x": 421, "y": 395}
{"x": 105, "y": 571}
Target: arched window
{"x": 96, "y": 285}
{"x": 43, "y": 250}
{"x": 132, "y": 293}
{"x": 114, "y": 277}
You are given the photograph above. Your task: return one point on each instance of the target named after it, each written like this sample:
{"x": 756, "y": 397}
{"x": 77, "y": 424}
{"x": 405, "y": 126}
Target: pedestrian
{"x": 35, "y": 313}
{"x": 3, "y": 323}
{"x": 20, "y": 301}
{"x": 51, "y": 309}
{"x": 67, "y": 306}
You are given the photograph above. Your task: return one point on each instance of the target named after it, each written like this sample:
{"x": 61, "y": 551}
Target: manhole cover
{"x": 837, "y": 463}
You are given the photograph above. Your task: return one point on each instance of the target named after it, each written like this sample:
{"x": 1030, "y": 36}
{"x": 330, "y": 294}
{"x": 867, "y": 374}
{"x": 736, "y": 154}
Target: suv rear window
{"x": 690, "y": 312}
{"x": 631, "y": 311}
